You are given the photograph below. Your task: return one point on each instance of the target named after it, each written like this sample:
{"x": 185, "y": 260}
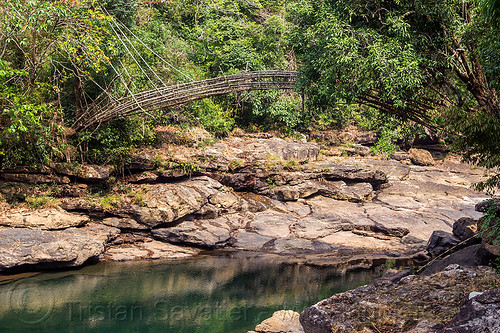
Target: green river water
{"x": 212, "y": 294}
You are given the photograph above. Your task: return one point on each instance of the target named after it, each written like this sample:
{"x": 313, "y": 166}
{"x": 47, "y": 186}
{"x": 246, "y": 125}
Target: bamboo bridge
{"x": 108, "y": 108}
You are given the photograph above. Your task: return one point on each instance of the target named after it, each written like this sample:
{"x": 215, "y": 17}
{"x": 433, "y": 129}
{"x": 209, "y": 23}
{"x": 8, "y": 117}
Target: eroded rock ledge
{"x": 258, "y": 194}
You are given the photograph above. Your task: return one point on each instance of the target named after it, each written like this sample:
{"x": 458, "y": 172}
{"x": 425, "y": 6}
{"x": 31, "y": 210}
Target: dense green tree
{"x": 417, "y": 59}
{"x": 43, "y": 45}
{"x": 405, "y": 57}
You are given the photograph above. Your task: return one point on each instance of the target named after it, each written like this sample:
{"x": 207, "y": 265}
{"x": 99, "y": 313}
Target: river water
{"x": 211, "y": 294}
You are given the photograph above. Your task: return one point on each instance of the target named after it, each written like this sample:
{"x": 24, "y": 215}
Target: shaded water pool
{"x": 215, "y": 294}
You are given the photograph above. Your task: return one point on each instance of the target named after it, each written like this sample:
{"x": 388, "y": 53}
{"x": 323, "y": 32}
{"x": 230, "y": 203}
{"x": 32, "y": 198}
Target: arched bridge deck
{"x": 164, "y": 97}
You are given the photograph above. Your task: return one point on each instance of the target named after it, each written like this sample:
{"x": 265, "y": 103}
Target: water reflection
{"x": 210, "y": 294}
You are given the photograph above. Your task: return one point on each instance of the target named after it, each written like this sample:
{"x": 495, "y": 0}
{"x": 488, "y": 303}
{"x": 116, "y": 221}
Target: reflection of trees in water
{"x": 190, "y": 290}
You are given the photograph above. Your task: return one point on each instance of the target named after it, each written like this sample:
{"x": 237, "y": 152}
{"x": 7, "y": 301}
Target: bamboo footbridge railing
{"x": 107, "y": 108}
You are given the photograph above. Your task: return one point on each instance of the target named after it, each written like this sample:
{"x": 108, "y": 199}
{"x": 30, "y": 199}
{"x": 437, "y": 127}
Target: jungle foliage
{"x": 434, "y": 62}
{"x": 389, "y": 65}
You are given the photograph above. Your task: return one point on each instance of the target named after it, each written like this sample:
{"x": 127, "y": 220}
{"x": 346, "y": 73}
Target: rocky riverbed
{"x": 320, "y": 204}
{"x": 451, "y": 293}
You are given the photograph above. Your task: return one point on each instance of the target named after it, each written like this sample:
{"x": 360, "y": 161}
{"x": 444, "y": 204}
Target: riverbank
{"x": 316, "y": 203}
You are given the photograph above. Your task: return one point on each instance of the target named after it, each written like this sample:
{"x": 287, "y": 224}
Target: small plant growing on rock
{"x": 110, "y": 202}
{"x": 386, "y": 144}
{"x": 188, "y": 167}
{"x": 235, "y": 164}
{"x": 271, "y": 162}
{"x": 495, "y": 264}
{"x": 390, "y": 263}
{"x": 138, "y": 197}
{"x": 43, "y": 201}
{"x": 206, "y": 143}
{"x": 271, "y": 183}
{"x": 158, "y": 161}
{"x": 291, "y": 165}
{"x": 275, "y": 163}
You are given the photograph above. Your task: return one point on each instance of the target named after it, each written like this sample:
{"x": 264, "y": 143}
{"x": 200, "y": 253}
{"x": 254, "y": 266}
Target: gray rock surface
{"x": 33, "y": 178}
{"x": 93, "y": 173}
{"x": 62, "y": 248}
{"x": 441, "y": 242}
{"x": 465, "y": 228}
{"x": 483, "y": 206}
{"x": 209, "y": 235}
{"x": 286, "y": 150}
{"x": 402, "y": 216}
{"x": 251, "y": 193}
{"x": 473, "y": 255}
{"x": 150, "y": 249}
{"x": 124, "y": 223}
{"x": 479, "y": 314}
{"x": 412, "y": 303}
{"x": 85, "y": 172}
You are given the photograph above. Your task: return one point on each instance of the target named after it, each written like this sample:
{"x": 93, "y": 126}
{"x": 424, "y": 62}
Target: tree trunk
{"x": 485, "y": 96}
{"x": 77, "y": 85}
{"x": 473, "y": 76}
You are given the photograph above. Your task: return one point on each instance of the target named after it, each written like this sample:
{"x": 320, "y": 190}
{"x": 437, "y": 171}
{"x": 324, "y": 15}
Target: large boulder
{"x": 421, "y": 157}
{"x": 124, "y": 223}
{"x": 354, "y": 174}
{"x": 85, "y": 172}
{"x": 198, "y": 233}
{"x": 465, "y": 228}
{"x": 474, "y": 255}
{"x": 153, "y": 205}
{"x": 484, "y": 205}
{"x": 63, "y": 248}
{"x": 200, "y": 196}
{"x": 357, "y": 192}
{"x": 440, "y": 242}
{"x": 284, "y": 321}
{"x": 207, "y": 233}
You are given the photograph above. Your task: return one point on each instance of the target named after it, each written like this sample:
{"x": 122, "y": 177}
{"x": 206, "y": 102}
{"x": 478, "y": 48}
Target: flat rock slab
{"x": 46, "y": 219}
{"x": 262, "y": 149}
{"x": 63, "y": 248}
{"x": 149, "y": 250}
{"x": 33, "y": 178}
